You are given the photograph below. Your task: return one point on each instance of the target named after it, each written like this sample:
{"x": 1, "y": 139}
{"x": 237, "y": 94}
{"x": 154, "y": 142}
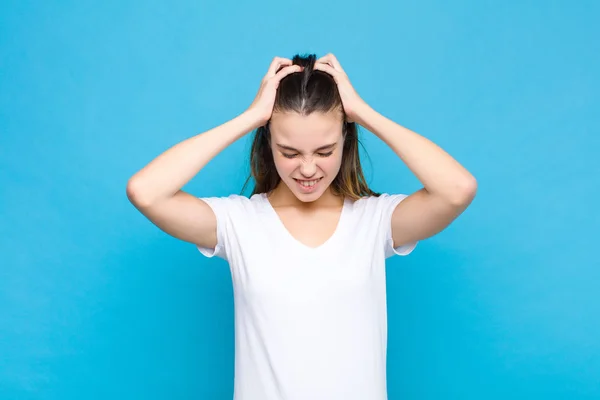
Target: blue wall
{"x": 97, "y": 303}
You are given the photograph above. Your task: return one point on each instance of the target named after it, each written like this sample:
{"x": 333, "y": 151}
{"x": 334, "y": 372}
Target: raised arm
{"x": 156, "y": 189}
{"x": 448, "y": 187}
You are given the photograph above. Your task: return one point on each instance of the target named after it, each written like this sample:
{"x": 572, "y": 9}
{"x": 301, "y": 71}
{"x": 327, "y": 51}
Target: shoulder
{"x": 375, "y": 204}
{"x": 235, "y": 202}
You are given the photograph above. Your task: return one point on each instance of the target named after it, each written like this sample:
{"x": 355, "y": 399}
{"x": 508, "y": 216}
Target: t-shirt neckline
{"x": 288, "y": 234}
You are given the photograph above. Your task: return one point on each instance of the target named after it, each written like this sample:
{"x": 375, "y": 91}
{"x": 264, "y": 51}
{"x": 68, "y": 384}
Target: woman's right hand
{"x": 262, "y": 106}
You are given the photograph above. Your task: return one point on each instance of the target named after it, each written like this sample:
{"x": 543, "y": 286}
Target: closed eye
{"x": 320, "y": 154}
{"x": 325, "y": 154}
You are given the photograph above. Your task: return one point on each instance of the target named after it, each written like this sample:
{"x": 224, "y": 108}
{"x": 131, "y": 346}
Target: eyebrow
{"x": 327, "y": 146}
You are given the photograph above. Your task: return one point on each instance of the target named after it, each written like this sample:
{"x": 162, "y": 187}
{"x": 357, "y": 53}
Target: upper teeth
{"x": 308, "y": 183}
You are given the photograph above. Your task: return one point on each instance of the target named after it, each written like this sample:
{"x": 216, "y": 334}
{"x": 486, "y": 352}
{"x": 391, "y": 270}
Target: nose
{"x": 308, "y": 168}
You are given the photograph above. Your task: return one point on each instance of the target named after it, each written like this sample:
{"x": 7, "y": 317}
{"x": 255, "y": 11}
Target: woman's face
{"x": 307, "y": 151}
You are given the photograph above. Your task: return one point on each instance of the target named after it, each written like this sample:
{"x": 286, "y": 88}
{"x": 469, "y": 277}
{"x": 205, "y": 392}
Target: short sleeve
{"x": 387, "y": 204}
{"x": 219, "y": 205}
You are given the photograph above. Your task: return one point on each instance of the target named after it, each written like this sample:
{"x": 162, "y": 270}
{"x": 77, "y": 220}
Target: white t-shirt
{"x": 310, "y": 323}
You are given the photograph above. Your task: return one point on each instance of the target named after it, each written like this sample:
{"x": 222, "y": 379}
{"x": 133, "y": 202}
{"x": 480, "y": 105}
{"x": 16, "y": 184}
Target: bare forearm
{"x": 171, "y": 170}
{"x": 439, "y": 173}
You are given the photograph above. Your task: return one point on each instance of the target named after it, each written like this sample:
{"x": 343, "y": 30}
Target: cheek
{"x": 333, "y": 164}
{"x": 283, "y": 164}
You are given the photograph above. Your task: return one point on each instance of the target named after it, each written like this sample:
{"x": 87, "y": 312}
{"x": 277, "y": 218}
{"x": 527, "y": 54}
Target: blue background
{"x": 97, "y": 303}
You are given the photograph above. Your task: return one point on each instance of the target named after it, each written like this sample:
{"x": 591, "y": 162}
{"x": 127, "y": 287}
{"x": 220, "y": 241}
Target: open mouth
{"x": 308, "y": 185}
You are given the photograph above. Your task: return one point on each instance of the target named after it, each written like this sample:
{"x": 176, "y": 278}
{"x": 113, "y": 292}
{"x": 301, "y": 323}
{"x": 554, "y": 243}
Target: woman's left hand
{"x": 351, "y": 101}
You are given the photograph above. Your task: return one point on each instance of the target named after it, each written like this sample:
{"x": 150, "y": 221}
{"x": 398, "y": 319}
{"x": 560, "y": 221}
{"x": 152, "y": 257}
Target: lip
{"x": 305, "y": 189}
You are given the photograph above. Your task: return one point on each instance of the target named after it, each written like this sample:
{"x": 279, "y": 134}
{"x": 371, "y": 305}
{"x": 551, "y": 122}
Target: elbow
{"x": 465, "y": 192}
{"x": 135, "y": 193}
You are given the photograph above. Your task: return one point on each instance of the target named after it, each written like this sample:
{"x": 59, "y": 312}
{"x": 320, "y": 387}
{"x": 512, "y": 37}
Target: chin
{"x": 307, "y": 198}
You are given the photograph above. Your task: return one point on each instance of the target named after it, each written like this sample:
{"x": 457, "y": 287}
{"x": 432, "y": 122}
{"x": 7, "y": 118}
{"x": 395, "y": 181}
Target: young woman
{"x": 307, "y": 249}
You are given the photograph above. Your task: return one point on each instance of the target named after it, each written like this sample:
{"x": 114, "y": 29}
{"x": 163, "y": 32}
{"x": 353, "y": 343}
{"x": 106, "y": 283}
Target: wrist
{"x": 253, "y": 118}
{"x": 363, "y": 114}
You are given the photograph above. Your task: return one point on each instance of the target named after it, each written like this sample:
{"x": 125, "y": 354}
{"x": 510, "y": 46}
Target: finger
{"x": 326, "y": 68}
{"x": 285, "y": 71}
{"x": 331, "y": 60}
{"x": 324, "y": 60}
{"x": 276, "y": 64}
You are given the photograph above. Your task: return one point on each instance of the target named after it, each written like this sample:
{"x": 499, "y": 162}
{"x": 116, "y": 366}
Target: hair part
{"x": 304, "y": 93}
